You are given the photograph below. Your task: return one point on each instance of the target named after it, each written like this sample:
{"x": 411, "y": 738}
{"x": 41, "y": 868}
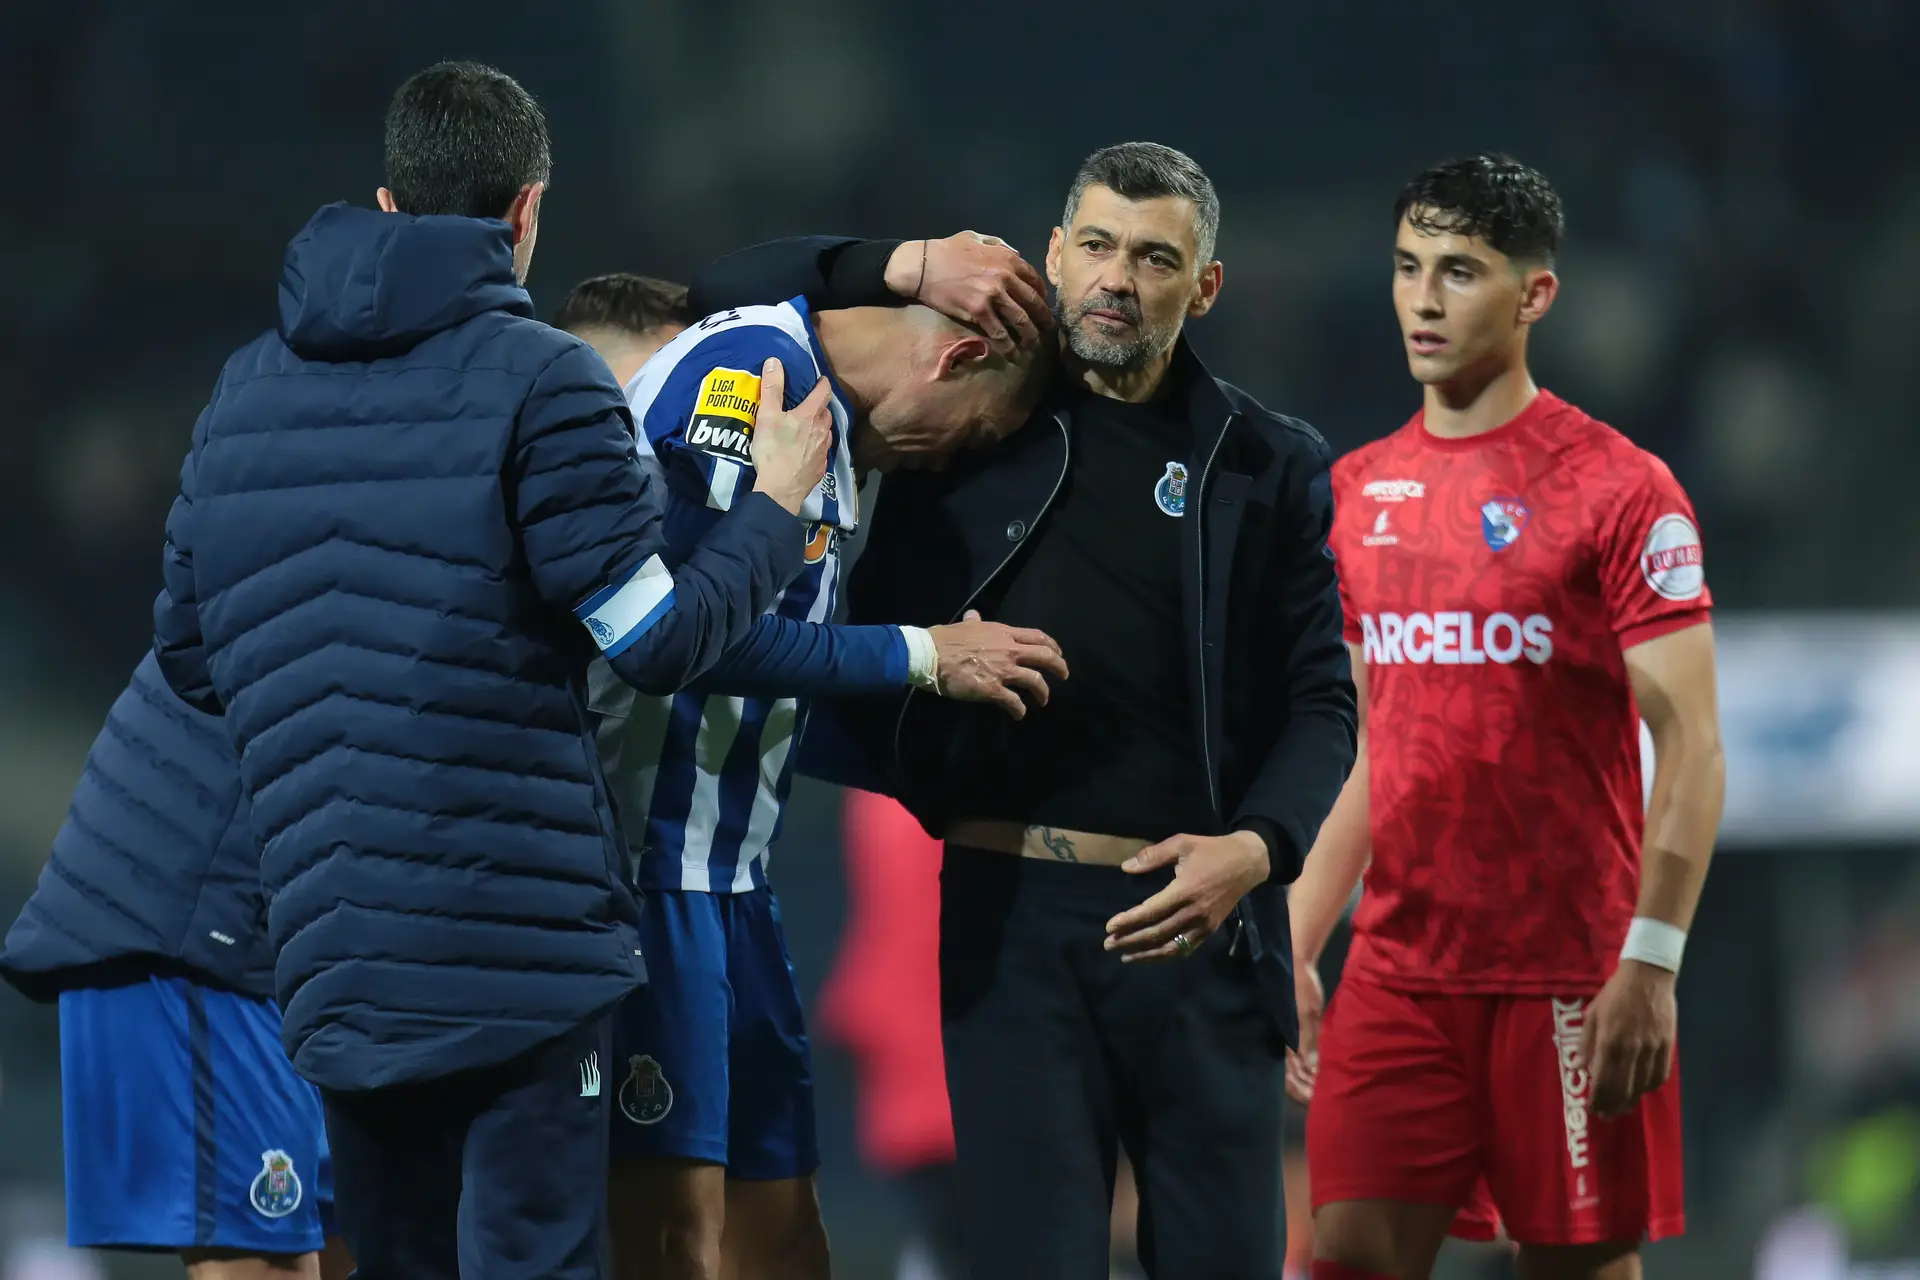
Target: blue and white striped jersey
{"x": 701, "y": 779}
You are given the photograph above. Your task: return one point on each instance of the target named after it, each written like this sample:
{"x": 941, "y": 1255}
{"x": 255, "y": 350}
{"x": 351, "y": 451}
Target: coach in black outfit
{"x": 1172, "y": 535}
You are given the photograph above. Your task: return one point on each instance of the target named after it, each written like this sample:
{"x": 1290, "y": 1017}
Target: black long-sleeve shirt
{"x": 1114, "y": 750}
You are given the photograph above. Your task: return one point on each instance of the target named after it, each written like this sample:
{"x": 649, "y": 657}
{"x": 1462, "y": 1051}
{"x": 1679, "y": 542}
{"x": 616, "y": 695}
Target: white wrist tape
{"x": 923, "y": 658}
{"x": 1654, "y": 942}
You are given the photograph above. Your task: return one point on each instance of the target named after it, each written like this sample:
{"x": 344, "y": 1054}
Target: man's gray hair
{"x": 1145, "y": 171}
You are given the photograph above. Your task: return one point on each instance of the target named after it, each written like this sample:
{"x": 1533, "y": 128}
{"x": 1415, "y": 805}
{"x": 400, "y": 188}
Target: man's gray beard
{"x": 1121, "y": 355}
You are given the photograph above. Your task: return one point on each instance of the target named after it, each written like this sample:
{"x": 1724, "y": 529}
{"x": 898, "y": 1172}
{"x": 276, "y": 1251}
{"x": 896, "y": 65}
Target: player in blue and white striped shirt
{"x": 714, "y": 1106}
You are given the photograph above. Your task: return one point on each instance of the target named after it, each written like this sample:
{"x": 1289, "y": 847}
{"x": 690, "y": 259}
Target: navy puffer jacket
{"x": 154, "y": 869}
{"x": 398, "y": 512}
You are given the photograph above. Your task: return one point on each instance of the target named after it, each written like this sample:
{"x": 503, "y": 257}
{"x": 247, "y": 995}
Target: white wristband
{"x": 923, "y": 658}
{"x": 1654, "y": 942}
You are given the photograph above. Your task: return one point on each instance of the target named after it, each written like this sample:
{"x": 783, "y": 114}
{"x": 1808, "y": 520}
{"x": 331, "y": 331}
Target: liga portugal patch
{"x": 722, "y": 422}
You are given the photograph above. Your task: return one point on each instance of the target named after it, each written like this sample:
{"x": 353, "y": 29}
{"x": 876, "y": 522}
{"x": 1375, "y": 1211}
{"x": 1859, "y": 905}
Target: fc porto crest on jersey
{"x": 645, "y": 1095}
{"x": 1170, "y": 491}
{"x": 275, "y": 1192}
{"x": 1501, "y": 520}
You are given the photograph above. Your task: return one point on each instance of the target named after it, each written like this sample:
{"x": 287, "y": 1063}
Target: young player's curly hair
{"x": 1490, "y": 196}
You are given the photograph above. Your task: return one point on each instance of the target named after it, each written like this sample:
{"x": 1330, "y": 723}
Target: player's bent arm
{"x": 1673, "y": 681}
{"x": 1340, "y": 855}
{"x": 660, "y": 630}
{"x": 829, "y": 271}
{"x": 591, "y": 520}
{"x": 979, "y": 280}
{"x": 792, "y": 658}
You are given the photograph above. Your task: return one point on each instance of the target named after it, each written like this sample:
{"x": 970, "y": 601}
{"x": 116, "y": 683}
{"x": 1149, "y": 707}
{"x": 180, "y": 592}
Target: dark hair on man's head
{"x": 1145, "y": 171}
{"x": 464, "y": 139}
{"x": 625, "y": 303}
{"x": 1490, "y": 196}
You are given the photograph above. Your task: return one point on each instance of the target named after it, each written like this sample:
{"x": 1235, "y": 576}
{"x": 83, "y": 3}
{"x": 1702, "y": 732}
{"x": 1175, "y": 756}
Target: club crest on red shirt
{"x": 1501, "y": 520}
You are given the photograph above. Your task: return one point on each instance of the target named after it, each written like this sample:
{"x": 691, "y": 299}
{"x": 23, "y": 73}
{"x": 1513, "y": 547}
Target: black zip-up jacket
{"x": 1269, "y": 675}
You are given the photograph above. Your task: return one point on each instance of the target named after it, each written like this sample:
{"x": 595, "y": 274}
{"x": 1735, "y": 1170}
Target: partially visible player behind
{"x": 1523, "y": 584}
{"x": 882, "y": 1004}
{"x": 185, "y": 1127}
{"x": 626, "y": 318}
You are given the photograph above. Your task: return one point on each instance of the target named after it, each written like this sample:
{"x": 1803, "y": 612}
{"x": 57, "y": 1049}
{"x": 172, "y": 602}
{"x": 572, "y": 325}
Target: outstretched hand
{"x": 991, "y": 662}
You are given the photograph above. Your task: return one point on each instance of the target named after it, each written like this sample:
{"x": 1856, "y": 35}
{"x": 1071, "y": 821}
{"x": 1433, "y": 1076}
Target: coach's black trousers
{"x": 496, "y": 1174}
{"x": 1057, "y": 1054}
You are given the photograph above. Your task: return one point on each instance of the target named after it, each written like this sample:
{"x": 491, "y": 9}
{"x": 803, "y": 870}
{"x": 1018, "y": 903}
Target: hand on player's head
{"x": 981, "y": 281}
{"x": 790, "y": 446}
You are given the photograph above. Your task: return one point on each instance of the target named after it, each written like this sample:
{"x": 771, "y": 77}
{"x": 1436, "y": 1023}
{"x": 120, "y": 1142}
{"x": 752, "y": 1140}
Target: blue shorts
{"x": 185, "y": 1125}
{"x": 712, "y": 1052}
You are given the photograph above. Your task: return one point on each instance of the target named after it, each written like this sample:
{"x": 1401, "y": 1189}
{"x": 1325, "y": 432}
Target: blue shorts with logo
{"x": 711, "y": 1056}
{"x": 185, "y": 1125}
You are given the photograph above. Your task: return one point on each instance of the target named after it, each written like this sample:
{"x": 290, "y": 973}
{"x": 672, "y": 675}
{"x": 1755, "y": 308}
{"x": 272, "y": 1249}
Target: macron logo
{"x": 590, "y": 1075}
{"x": 1393, "y": 490}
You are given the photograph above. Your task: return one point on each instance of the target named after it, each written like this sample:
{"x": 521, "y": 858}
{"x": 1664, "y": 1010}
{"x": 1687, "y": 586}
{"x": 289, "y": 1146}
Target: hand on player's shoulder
{"x": 790, "y": 446}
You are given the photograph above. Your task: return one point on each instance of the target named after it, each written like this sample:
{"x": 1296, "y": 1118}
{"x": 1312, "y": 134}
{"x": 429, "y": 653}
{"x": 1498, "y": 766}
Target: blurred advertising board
{"x": 1821, "y": 716}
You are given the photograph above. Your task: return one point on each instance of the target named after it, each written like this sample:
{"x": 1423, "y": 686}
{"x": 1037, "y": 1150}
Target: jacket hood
{"x": 359, "y": 284}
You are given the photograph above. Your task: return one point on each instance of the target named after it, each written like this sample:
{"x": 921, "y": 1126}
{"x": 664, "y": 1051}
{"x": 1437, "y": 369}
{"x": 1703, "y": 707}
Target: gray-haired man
{"x": 1171, "y": 534}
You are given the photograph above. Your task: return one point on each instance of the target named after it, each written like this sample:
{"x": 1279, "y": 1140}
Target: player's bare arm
{"x": 1631, "y": 1027}
{"x": 1333, "y": 867}
{"x": 978, "y": 279}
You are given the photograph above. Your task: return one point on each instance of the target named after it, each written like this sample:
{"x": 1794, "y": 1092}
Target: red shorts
{"x": 1480, "y": 1102}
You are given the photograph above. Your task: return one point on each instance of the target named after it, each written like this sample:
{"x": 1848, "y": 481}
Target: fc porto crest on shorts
{"x": 1170, "y": 491}
{"x": 1501, "y": 520}
{"x": 275, "y": 1192}
{"x": 645, "y": 1095}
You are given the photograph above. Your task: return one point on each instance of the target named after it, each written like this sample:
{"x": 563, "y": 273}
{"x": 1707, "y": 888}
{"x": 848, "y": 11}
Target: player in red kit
{"x": 1523, "y": 585}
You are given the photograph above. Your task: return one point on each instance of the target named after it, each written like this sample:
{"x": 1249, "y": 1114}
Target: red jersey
{"x": 1493, "y": 583}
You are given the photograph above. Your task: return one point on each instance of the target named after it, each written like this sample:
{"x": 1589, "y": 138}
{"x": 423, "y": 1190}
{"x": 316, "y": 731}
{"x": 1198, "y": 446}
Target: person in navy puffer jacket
{"x": 399, "y": 510}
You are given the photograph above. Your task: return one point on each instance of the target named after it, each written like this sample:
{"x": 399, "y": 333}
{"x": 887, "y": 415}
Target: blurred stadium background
{"x": 1743, "y": 183}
